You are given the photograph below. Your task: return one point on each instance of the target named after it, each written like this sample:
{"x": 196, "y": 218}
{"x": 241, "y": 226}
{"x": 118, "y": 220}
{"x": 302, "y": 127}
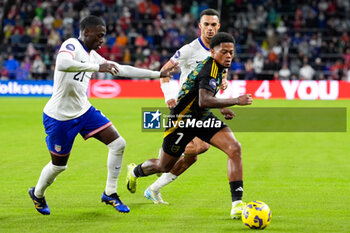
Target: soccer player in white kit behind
{"x": 188, "y": 57}
{"x": 68, "y": 112}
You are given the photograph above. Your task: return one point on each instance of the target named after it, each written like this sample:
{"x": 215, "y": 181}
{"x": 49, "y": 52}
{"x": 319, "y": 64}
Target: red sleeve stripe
{"x": 67, "y": 52}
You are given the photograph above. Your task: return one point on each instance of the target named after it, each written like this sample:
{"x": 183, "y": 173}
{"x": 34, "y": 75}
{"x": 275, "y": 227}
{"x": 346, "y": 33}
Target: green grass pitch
{"x": 303, "y": 177}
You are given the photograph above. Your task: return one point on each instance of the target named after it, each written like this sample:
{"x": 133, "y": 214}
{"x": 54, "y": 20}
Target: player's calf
{"x": 183, "y": 164}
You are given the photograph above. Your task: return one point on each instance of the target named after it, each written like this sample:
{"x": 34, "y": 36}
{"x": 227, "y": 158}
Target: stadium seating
{"x": 284, "y": 33}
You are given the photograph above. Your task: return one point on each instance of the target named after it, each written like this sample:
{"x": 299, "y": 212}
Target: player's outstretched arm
{"x": 208, "y": 100}
{"x": 133, "y": 72}
{"x": 65, "y": 63}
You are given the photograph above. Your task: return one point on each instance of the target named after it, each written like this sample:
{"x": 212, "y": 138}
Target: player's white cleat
{"x": 236, "y": 211}
{"x": 156, "y": 197}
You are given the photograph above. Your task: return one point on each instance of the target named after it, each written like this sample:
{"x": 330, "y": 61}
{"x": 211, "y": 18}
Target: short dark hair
{"x": 209, "y": 11}
{"x": 221, "y": 37}
{"x": 91, "y": 21}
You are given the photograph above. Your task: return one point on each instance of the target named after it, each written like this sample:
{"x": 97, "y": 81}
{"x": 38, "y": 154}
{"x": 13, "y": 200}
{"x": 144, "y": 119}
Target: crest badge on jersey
{"x": 58, "y": 148}
{"x": 175, "y": 148}
{"x": 212, "y": 83}
{"x": 177, "y": 54}
{"x": 70, "y": 47}
{"x": 151, "y": 119}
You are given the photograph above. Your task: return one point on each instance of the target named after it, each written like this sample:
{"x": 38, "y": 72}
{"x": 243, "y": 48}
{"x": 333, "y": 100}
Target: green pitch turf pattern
{"x": 303, "y": 177}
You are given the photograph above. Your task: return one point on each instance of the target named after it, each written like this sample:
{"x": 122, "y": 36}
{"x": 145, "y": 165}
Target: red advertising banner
{"x": 296, "y": 89}
{"x": 125, "y": 89}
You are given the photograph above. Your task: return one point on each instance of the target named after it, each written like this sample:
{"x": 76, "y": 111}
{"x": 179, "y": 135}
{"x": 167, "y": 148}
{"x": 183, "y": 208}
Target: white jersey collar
{"x": 83, "y": 46}
{"x": 201, "y": 42}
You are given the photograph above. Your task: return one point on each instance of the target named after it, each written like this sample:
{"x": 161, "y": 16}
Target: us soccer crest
{"x": 58, "y": 148}
{"x": 152, "y": 119}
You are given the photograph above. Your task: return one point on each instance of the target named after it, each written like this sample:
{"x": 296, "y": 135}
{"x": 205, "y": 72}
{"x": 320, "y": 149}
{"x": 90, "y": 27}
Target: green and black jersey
{"x": 208, "y": 75}
{"x": 187, "y": 120}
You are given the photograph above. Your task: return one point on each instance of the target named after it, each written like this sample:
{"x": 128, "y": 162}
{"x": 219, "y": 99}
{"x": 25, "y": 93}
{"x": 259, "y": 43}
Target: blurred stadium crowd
{"x": 276, "y": 39}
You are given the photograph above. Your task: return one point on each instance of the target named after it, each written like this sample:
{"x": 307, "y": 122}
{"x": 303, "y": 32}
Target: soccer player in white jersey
{"x": 188, "y": 58}
{"x": 68, "y": 112}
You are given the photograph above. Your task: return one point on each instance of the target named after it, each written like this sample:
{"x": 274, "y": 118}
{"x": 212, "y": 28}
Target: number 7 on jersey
{"x": 180, "y": 137}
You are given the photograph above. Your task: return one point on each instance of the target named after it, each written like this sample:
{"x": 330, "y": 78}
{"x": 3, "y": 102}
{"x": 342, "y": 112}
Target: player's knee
{"x": 190, "y": 149}
{"x": 235, "y": 149}
{"x": 59, "y": 161}
{"x": 202, "y": 147}
{"x": 118, "y": 145}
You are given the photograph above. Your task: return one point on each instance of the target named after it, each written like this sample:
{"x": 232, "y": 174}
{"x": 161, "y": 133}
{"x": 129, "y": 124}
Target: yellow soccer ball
{"x": 256, "y": 215}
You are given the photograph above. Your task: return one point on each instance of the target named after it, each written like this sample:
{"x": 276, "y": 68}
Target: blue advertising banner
{"x": 26, "y": 88}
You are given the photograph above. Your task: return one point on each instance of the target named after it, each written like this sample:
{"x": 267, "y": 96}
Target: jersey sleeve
{"x": 133, "y": 72}
{"x": 66, "y": 62}
{"x": 207, "y": 77}
{"x": 69, "y": 46}
{"x": 181, "y": 56}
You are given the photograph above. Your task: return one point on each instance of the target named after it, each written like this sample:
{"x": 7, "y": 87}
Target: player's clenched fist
{"x": 227, "y": 113}
{"x": 109, "y": 67}
{"x": 244, "y": 99}
{"x": 171, "y": 103}
{"x": 224, "y": 84}
{"x": 166, "y": 73}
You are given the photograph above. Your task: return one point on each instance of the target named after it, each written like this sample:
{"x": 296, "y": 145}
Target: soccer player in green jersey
{"x": 191, "y": 117}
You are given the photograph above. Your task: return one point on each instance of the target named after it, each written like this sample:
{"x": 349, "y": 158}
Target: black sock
{"x": 236, "y": 190}
{"x": 138, "y": 171}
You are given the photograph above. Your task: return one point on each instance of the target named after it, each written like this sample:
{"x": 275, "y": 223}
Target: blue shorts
{"x": 61, "y": 134}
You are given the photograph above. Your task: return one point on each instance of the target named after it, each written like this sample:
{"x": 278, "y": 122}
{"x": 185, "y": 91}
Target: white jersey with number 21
{"x": 69, "y": 99}
{"x": 74, "y": 68}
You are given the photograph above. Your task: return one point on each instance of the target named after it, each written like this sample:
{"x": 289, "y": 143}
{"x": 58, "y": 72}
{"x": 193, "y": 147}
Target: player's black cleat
{"x": 115, "y": 201}
{"x": 39, "y": 203}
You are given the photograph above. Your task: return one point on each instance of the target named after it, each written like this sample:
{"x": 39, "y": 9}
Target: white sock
{"x": 163, "y": 180}
{"x": 234, "y": 203}
{"x": 114, "y": 164}
{"x": 47, "y": 177}
{"x": 132, "y": 173}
